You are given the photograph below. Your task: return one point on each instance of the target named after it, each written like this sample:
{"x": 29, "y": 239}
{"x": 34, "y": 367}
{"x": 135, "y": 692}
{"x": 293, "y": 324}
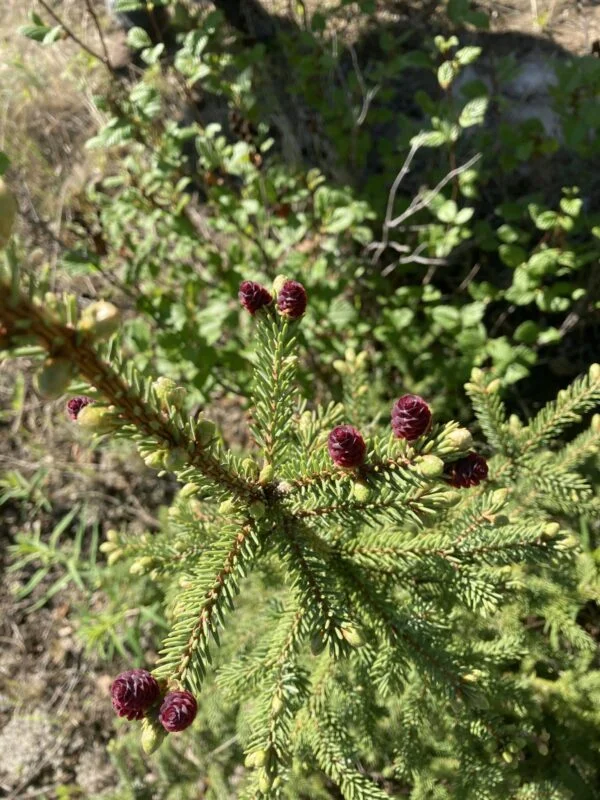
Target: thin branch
{"x": 385, "y": 235}
{"x": 74, "y": 37}
{"x": 421, "y": 201}
{"x": 94, "y": 16}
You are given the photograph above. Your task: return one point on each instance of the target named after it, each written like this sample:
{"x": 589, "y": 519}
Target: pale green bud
{"x": 498, "y": 497}
{"x": 189, "y": 490}
{"x": 456, "y": 441}
{"x": 276, "y": 705}
{"x": 96, "y": 419}
{"x": 168, "y": 393}
{"x": 113, "y": 557}
{"x": 595, "y": 373}
{"x": 448, "y": 498}
{"x": 155, "y": 460}
{"x": 100, "y": 320}
{"x": 595, "y": 423}
{"x": 112, "y": 535}
{"x": 350, "y": 355}
{"x": 8, "y": 212}
{"x": 55, "y": 377}
{"x": 108, "y": 547}
{"x": 279, "y": 282}
{"x": 153, "y": 735}
{"x": 477, "y": 375}
{"x": 340, "y": 366}
{"x": 430, "y": 466}
{"x": 205, "y": 430}
{"x": 256, "y": 759}
{"x": 257, "y": 509}
{"x": 142, "y": 565}
{"x": 264, "y": 781}
{"x": 305, "y": 421}
{"x": 227, "y": 507}
{"x": 267, "y": 474}
{"x": 494, "y": 386}
{"x": 361, "y": 492}
{"x": 353, "y": 636}
{"x": 551, "y": 530}
{"x": 514, "y": 423}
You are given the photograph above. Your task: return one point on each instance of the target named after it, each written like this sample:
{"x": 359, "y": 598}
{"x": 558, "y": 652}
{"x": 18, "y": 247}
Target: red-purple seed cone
{"x": 253, "y": 296}
{"x": 346, "y": 446}
{"x": 133, "y": 693}
{"x": 177, "y": 711}
{"x": 411, "y": 417}
{"x": 292, "y": 299}
{"x": 75, "y": 405}
{"x": 468, "y": 471}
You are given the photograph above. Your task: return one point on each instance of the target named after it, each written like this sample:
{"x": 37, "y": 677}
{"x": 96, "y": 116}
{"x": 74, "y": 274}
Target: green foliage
{"x": 355, "y": 605}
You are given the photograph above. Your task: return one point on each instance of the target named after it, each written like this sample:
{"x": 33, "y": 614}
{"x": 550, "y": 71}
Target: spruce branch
{"x": 581, "y": 396}
{"x": 133, "y": 399}
{"x": 274, "y": 386}
{"x": 201, "y": 608}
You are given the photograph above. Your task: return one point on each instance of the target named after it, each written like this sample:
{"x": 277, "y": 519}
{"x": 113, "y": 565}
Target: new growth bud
{"x": 96, "y": 419}
{"x": 153, "y": 735}
{"x": 168, "y": 393}
{"x": 100, "y": 320}
{"x": 55, "y": 377}
{"x": 430, "y": 466}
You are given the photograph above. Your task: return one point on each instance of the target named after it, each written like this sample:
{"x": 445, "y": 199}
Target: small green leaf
{"x": 137, "y": 39}
{"x": 447, "y": 72}
{"x": 474, "y": 112}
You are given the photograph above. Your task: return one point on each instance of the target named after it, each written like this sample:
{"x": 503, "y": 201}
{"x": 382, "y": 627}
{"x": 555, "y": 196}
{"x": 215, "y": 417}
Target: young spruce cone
{"x": 292, "y": 299}
{"x": 75, "y": 405}
{"x": 133, "y": 693}
{"x": 411, "y": 417}
{"x": 346, "y": 446}
{"x": 253, "y": 296}
{"x": 177, "y": 711}
{"x": 468, "y": 471}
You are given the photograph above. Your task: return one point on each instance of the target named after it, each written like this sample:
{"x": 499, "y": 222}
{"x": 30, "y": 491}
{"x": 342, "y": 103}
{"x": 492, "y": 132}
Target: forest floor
{"x": 55, "y": 715}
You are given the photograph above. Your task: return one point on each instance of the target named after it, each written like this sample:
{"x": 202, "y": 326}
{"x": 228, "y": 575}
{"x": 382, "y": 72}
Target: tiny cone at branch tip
{"x": 8, "y": 212}
{"x": 292, "y": 300}
{"x": 75, "y": 404}
{"x": 133, "y": 692}
{"x": 411, "y": 417}
{"x": 253, "y": 296}
{"x": 346, "y": 446}
{"x": 468, "y": 471}
{"x": 178, "y": 711}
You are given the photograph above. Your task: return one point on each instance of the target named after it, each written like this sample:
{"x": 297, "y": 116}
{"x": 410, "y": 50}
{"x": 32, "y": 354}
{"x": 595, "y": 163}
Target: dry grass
{"x": 46, "y": 112}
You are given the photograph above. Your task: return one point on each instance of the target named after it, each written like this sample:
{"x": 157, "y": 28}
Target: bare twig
{"x": 379, "y": 247}
{"x": 422, "y": 200}
{"x": 92, "y": 11}
{"x": 70, "y": 33}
